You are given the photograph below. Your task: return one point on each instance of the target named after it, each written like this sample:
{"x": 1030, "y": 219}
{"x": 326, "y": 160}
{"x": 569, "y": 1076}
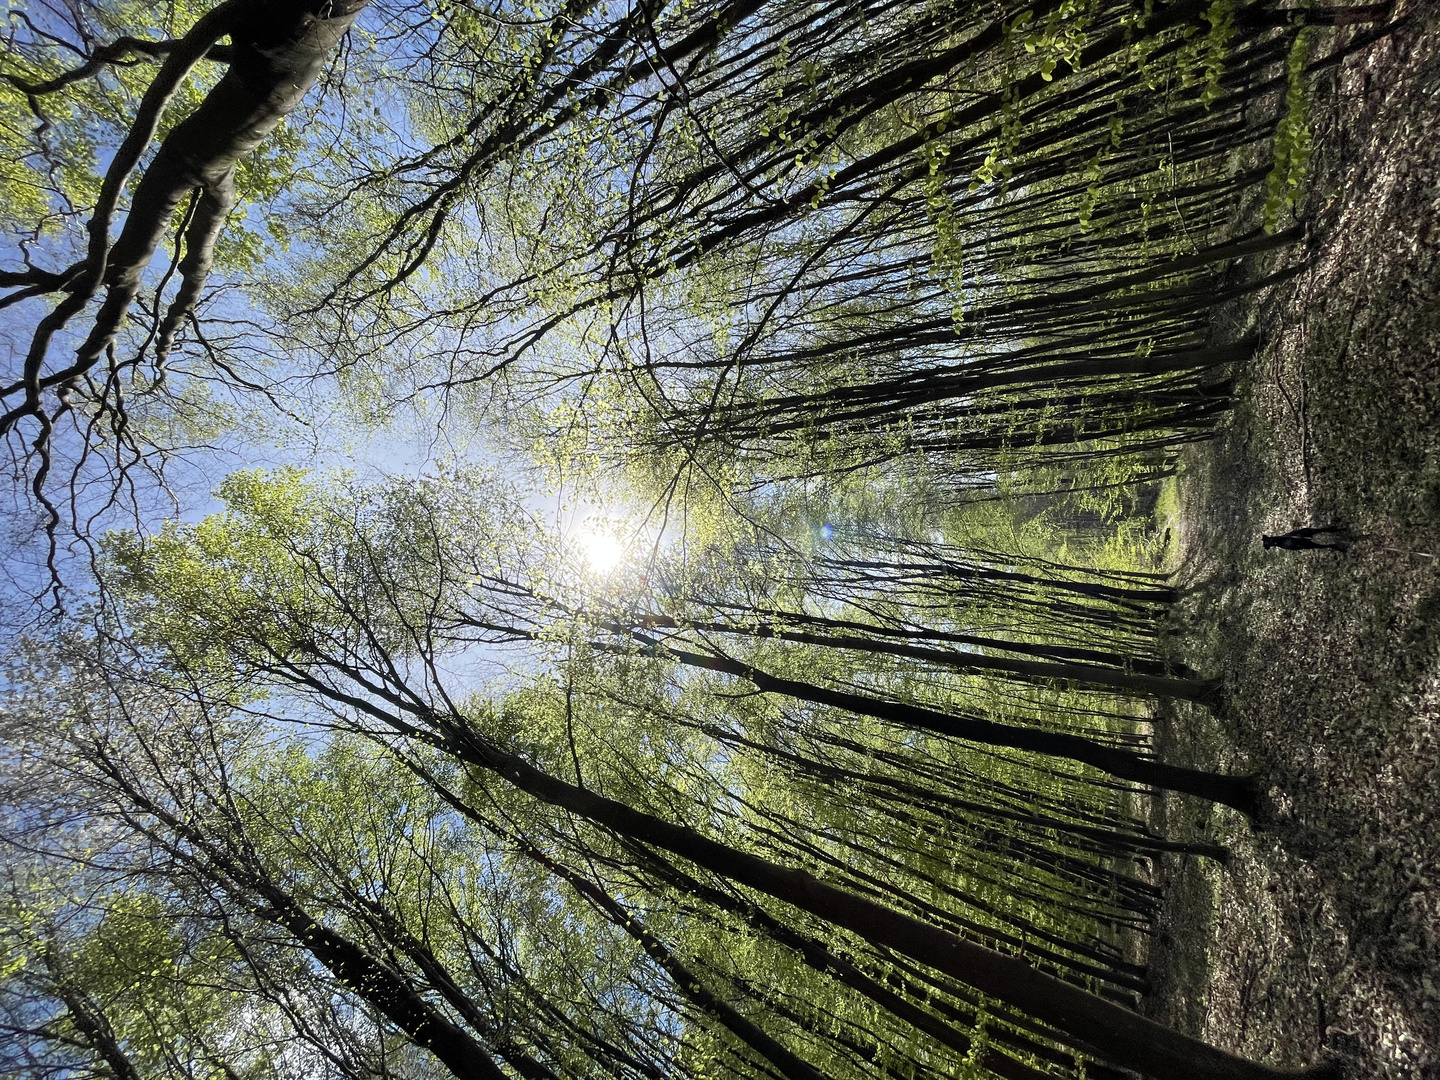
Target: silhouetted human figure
{"x": 1304, "y": 539}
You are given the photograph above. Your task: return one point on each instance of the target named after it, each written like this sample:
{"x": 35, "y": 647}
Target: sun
{"x": 602, "y": 549}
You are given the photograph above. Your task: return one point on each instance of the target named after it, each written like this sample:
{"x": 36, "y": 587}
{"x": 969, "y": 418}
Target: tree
{"x": 277, "y": 51}
{"x": 620, "y": 165}
{"x": 737, "y": 820}
{"x": 302, "y": 843}
{"x": 334, "y": 624}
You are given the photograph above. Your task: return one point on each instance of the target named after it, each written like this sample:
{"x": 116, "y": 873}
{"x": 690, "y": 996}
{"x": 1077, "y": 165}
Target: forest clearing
{"x": 720, "y": 540}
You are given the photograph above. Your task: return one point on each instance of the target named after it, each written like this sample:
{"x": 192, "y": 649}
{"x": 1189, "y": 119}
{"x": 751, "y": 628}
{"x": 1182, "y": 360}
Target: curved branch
{"x": 118, "y": 52}
{"x": 214, "y": 207}
{"x": 211, "y": 26}
{"x": 279, "y": 51}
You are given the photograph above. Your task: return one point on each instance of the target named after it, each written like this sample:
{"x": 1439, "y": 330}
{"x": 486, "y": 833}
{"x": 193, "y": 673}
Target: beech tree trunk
{"x": 1202, "y": 691}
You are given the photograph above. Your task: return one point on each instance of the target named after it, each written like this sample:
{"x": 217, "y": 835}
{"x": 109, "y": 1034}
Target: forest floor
{"x": 1321, "y": 938}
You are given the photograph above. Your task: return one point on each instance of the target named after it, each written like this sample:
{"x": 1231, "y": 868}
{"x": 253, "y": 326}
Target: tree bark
{"x": 280, "y": 47}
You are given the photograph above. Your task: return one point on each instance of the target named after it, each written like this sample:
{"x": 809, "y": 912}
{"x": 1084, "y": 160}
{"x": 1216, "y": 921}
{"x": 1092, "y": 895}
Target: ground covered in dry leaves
{"x": 1321, "y": 938}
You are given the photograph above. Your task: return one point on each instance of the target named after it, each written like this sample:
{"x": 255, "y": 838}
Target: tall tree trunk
{"x": 789, "y": 1064}
{"x": 1238, "y": 792}
{"x": 1113, "y": 1033}
{"x": 1093, "y": 675}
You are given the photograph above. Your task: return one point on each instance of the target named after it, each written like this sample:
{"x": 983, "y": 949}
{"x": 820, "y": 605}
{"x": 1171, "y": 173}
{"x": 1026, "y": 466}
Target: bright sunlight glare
{"x": 602, "y": 549}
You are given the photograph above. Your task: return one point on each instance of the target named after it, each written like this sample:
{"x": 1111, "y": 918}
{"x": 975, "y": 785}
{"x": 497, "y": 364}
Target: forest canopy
{"x": 570, "y": 539}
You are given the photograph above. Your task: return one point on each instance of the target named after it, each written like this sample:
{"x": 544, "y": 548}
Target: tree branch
{"x": 119, "y": 53}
